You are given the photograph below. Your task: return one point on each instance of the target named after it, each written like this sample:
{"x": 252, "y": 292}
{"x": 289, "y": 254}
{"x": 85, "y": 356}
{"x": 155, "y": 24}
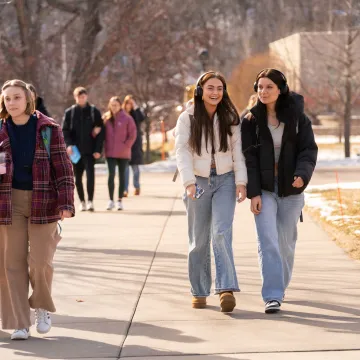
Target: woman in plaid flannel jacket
{"x": 36, "y": 190}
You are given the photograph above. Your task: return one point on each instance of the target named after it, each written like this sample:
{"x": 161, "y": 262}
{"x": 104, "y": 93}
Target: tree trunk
{"x": 91, "y": 28}
{"x": 29, "y": 48}
{"x": 347, "y": 117}
{"x": 348, "y": 92}
{"x": 147, "y": 131}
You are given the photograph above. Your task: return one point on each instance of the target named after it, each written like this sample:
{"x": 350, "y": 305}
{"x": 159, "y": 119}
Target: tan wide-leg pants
{"x": 26, "y": 254}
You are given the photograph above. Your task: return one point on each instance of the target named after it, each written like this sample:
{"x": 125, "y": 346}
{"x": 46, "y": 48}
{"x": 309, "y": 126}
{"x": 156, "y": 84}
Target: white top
{"x": 277, "y": 133}
{"x": 190, "y": 164}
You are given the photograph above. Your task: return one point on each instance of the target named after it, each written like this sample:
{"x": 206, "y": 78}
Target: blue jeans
{"x": 211, "y": 218}
{"x": 136, "y": 177}
{"x": 276, "y": 227}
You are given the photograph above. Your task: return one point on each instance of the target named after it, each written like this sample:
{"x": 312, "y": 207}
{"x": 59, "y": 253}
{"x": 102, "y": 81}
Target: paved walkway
{"x": 121, "y": 291}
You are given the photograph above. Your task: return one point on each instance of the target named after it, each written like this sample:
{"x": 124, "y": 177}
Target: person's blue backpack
{"x": 45, "y": 134}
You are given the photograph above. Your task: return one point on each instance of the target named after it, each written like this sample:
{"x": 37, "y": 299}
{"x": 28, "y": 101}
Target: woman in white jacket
{"x": 213, "y": 172}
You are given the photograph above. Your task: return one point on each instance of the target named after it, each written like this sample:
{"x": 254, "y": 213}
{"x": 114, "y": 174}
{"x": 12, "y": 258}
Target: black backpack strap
{"x": 92, "y": 114}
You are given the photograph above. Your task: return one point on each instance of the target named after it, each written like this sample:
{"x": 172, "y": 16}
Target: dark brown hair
{"x": 227, "y": 116}
{"x": 30, "y": 105}
{"x": 80, "y": 91}
{"x": 285, "y": 107}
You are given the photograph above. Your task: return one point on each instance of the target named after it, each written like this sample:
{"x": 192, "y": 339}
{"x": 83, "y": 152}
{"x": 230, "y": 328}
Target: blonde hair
{"x": 30, "y": 104}
{"x": 79, "y": 91}
{"x": 127, "y": 99}
{"x": 109, "y": 115}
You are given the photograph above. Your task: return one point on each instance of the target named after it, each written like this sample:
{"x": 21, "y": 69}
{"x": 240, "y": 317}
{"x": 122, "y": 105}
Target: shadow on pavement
{"x": 331, "y": 323}
{"x": 123, "y": 252}
{"x": 144, "y": 212}
{"x": 55, "y": 347}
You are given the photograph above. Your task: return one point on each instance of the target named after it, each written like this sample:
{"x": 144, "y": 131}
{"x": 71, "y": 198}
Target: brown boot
{"x": 198, "y": 302}
{"x": 137, "y": 192}
{"x": 125, "y": 194}
{"x": 227, "y": 301}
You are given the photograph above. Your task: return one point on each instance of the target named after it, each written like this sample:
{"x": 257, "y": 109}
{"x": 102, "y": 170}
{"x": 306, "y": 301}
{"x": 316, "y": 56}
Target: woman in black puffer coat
{"x": 39, "y": 101}
{"x": 137, "y": 156}
{"x": 280, "y": 151}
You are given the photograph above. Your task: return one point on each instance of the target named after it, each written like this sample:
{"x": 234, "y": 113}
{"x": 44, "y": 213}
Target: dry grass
{"x": 355, "y": 147}
{"x": 343, "y": 222}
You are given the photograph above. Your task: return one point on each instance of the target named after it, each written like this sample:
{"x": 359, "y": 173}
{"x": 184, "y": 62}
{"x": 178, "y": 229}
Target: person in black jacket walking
{"x": 39, "y": 101}
{"x": 280, "y": 151}
{"x": 137, "y": 157}
{"x": 83, "y": 127}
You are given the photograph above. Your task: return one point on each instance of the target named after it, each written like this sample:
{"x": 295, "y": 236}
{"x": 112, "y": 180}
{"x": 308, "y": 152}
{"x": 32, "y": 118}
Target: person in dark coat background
{"x": 39, "y": 101}
{"x": 137, "y": 158}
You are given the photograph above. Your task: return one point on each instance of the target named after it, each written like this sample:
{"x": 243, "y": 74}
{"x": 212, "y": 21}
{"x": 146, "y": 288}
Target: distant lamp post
{"x": 204, "y": 59}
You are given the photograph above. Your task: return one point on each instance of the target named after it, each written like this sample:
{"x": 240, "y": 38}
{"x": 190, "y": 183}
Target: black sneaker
{"x": 272, "y": 306}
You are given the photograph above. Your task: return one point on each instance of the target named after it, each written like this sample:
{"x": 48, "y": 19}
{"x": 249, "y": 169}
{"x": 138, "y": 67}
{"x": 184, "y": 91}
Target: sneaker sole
{"x": 20, "y": 339}
{"x": 43, "y": 332}
{"x": 272, "y": 310}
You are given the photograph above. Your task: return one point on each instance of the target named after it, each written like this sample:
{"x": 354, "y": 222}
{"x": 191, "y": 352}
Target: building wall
{"x": 287, "y": 52}
{"x": 314, "y": 65}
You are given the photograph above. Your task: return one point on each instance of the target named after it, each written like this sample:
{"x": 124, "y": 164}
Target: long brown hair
{"x": 227, "y": 116}
{"x": 30, "y": 106}
{"x": 109, "y": 115}
{"x": 127, "y": 99}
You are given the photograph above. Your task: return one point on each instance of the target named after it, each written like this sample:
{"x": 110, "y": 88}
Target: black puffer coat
{"x": 298, "y": 150}
{"x": 137, "y": 154}
{"x": 40, "y": 106}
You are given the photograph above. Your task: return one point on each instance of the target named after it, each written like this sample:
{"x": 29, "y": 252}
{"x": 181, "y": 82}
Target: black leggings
{"x": 86, "y": 163}
{"x": 121, "y": 163}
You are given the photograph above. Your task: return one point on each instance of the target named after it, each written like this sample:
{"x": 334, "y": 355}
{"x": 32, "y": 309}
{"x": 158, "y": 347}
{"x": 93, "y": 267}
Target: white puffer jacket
{"x": 190, "y": 164}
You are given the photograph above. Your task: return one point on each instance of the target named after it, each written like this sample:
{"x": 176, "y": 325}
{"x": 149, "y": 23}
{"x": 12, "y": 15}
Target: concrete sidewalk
{"x": 122, "y": 291}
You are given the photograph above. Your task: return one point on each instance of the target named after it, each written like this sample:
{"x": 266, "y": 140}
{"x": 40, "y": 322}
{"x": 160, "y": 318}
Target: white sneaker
{"x": 43, "y": 321}
{"x": 272, "y": 306}
{"x": 82, "y": 206}
{"x": 119, "y": 205}
{"x": 20, "y": 334}
{"x": 90, "y": 206}
{"x": 111, "y": 205}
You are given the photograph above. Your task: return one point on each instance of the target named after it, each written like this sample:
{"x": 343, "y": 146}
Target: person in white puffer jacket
{"x": 213, "y": 172}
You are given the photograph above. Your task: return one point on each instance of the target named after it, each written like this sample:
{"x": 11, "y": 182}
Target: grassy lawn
{"x": 342, "y": 222}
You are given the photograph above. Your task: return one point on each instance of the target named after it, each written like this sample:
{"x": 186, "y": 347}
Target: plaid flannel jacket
{"x": 53, "y": 181}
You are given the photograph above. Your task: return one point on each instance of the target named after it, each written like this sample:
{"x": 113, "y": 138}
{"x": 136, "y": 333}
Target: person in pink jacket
{"x": 120, "y": 135}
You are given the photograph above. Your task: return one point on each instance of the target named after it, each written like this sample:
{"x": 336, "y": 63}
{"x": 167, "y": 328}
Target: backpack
{"x": 45, "y": 134}
{"x": 73, "y": 113}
